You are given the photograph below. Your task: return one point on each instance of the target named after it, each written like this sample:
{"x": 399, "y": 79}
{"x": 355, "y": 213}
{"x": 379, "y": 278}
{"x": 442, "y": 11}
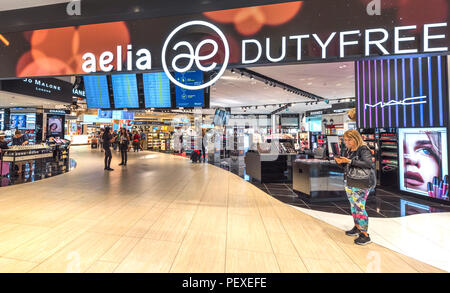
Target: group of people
{"x": 121, "y": 140}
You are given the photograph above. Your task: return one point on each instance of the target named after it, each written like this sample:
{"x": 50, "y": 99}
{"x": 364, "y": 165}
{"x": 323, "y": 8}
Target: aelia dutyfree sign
{"x": 292, "y": 32}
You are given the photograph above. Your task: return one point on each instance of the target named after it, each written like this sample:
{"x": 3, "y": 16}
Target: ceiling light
{"x": 251, "y": 77}
{"x": 232, "y": 71}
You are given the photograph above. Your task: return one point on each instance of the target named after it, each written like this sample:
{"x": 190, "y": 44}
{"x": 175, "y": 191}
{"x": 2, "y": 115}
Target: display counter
{"x": 40, "y": 155}
{"x": 269, "y": 168}
{"x": 318, "y": 180}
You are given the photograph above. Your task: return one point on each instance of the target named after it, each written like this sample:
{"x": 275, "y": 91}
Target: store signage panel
{"x": 212, "y": 41}
{"x": 423, "y": 161}
{"x": 402, "y": 92}
{"x": 47, "y": 88}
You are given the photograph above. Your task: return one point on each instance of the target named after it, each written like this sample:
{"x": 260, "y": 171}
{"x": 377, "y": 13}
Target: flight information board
{"x": 125, "y": 91}
{"x": 187, "y": 98}
{"x": 97, "y": 93}
{"x": 156, "y": 90}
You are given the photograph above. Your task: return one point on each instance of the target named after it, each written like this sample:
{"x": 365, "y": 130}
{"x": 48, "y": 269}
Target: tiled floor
{"x": 386, "y": 203}
{"x": 162, "y": 213}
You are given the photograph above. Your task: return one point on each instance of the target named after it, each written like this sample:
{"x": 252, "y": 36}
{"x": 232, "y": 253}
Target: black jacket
{"x": 362, "y": 158}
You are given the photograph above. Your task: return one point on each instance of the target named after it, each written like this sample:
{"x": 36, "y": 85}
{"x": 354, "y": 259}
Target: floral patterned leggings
{"x": 357, "y": 198}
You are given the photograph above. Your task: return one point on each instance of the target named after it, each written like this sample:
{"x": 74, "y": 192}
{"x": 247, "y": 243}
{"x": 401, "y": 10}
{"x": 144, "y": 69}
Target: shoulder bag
{"x": 358, "y": 177}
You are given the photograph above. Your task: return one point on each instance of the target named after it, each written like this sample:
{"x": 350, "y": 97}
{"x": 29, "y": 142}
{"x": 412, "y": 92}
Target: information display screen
{"x": 315, "y": 124}
{"x": 156, "y": 90}
{"x": 23, "y": 121}
{"x": 125, "y": 91}
{"x": 423, "y": 161}
{"x": 97, "y": 93}
{"x": 221, "y": 117}
{"x": 55, "y": 125}
{"x": 187, "y": 98}
{"x": 115, "y": 115}
{"x": 289, "y": 121}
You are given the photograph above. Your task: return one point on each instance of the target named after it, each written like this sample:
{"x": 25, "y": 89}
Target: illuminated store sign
{"x": 405, "y": 102}
{"x": 47, "y": 88}
{"x": 291, "y": 32}
{"x": 193, "y": 57}
{"x": 402, "y": 92}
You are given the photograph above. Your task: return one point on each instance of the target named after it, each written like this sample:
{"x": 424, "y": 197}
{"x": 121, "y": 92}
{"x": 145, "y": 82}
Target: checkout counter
{"x": 272, "y": 162}
{"x": 318, "y": 180}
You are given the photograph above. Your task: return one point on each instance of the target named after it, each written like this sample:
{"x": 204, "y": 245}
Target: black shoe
{"x": 363, "y": 240}
{"x": 109, "y": 169}
{"x": 121, "y": 164}
{"x": 353, "y": 232}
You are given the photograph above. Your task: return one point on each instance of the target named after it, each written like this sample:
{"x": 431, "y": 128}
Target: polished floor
{"x": 163, "y": 214}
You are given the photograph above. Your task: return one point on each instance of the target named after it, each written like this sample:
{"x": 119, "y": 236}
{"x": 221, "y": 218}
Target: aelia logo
{"x": 405, "y": 102}
{"x": 194, "y": 55}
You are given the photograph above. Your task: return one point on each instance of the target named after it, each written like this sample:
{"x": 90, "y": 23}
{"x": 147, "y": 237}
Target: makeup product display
{"x": 388, "y": 157}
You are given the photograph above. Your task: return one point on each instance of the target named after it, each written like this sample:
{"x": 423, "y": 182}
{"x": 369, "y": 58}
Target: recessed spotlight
{"x": 232, "y": 71}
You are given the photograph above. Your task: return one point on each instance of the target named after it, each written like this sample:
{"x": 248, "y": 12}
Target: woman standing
{"x": 124, "y": 141}
{"x": 107, "y": 140}
{"x": 359, "y": 159}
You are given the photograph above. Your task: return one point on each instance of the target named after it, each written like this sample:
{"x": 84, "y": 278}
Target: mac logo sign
{"x": 194, "y": 54}
{"x": 405, "y": 102}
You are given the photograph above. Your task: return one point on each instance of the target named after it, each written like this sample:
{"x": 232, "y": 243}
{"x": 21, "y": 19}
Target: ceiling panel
{"x": 331, "y": 81}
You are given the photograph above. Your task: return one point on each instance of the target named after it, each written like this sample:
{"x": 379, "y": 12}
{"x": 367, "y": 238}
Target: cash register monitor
{"x": 333, "y": 146}
{"x": 320, "y": 153}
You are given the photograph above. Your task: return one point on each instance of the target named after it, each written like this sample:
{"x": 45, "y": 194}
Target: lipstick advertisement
{"x": 424, "y": 161}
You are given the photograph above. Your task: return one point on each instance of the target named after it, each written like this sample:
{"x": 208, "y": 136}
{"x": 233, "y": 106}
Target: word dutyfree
{"x": 371, "y": 38}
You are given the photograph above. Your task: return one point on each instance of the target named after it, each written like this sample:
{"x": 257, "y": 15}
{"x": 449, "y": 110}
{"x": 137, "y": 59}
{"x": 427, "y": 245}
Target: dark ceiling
{"x": 98, "y": 11}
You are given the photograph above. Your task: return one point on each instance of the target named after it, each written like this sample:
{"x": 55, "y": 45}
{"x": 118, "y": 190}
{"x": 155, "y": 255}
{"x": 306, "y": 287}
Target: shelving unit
{"x": 159, "y": 140}
{"x": 388, "y": 157}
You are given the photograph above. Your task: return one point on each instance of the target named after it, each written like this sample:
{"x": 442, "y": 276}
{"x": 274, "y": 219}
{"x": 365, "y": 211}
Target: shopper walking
{"x": 143, "y": 139}
{"x": 107, "y": 140}
{"x": 203, "y": 145}
{"x": 124, "y": 141}
{"x": 136, "y": 141}
{"x": 359, "y": 179}
{"x": 115, "y": 140}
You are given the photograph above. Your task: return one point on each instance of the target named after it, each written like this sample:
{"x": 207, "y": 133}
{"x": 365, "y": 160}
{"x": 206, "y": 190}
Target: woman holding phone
{"x": 358, "y": 156}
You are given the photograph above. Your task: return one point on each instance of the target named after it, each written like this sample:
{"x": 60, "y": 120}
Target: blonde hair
{"x": 354, "y": 134}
